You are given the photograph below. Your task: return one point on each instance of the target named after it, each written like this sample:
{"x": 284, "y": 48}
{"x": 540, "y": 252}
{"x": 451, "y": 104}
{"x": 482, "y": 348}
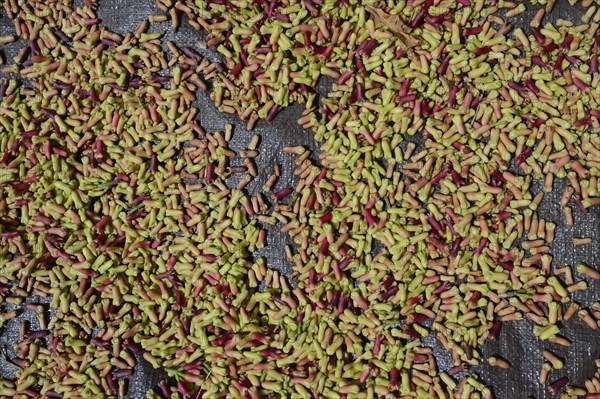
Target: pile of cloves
{"x": 418, "y": 215}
